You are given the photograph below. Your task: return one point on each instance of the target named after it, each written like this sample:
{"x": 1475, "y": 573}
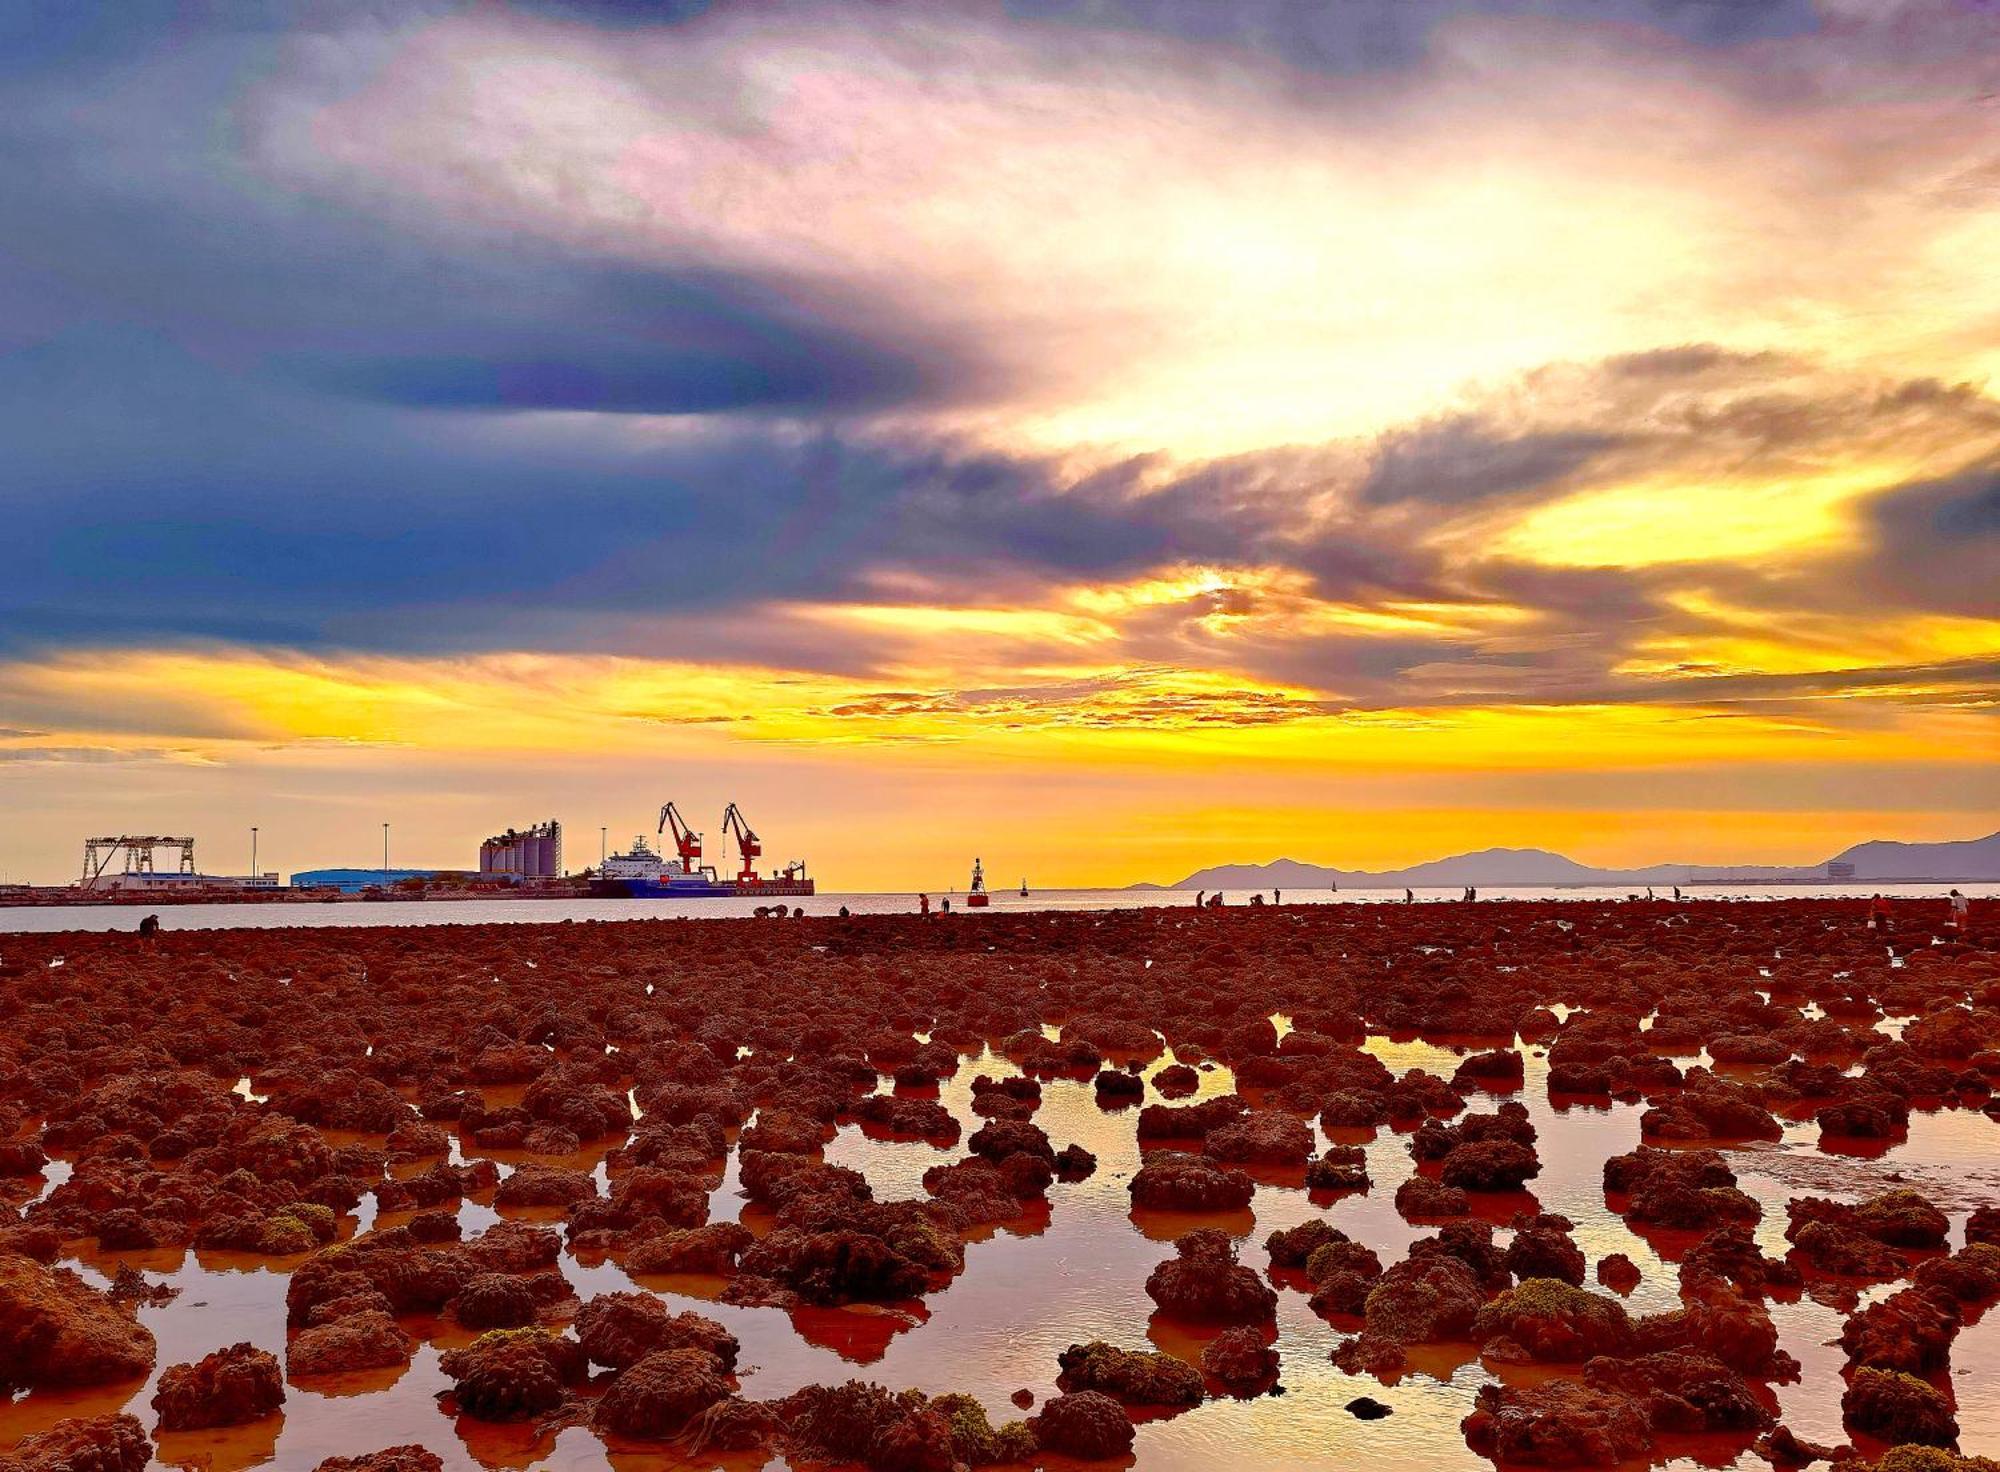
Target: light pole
{"x": 253, "y": 850}
{"x": 603, "y": 844}
{"x": 385, "y": 848}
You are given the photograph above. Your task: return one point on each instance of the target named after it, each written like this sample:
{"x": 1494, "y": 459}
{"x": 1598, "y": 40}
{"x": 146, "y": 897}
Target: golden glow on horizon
{"x": 548, "y": 705}
{"x": 1174, "y": 769}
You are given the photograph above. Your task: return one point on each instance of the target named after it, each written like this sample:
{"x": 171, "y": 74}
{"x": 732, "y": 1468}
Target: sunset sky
{"x": 1105, "y": 436}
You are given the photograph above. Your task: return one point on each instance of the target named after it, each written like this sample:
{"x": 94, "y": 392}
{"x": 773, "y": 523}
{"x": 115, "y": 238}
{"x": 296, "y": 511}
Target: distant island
{"x": 1975, "y": 860}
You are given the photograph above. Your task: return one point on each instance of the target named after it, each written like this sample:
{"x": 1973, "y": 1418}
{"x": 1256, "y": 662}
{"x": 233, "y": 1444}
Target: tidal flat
{"x": 1581, "y": 1183}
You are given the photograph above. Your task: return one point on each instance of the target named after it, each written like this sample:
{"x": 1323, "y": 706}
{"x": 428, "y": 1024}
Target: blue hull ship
{"x": 643, "y": 873}
{"x": 699, "y": 886}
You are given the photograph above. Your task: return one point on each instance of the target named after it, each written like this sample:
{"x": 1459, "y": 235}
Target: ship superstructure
{"x": 643, "y": 872}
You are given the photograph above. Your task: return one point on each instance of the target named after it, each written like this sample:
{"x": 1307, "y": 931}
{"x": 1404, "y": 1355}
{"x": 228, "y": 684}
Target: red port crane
{"x": 747, "y": 841}
{"x": 685, "y": 838}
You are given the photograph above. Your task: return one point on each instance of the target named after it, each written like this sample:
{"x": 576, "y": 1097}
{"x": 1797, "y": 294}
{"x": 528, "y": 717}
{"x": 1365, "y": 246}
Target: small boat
{"x": 1024, "y": 889}
{"x": 976, "y": 897}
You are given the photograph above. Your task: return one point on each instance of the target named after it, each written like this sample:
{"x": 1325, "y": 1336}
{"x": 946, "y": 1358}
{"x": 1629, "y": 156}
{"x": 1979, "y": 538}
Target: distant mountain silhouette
{"x": 1976, "y": 860}
{"x": 1884, "y": 858}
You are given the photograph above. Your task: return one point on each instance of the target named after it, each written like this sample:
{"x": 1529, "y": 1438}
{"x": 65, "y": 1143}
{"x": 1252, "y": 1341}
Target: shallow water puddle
{"x": 1066, "y": 1275}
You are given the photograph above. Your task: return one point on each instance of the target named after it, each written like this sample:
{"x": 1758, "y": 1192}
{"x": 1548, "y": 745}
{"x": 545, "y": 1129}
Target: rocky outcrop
{"x": 227, "y": 1388}
{"x": 58, "y": 1331}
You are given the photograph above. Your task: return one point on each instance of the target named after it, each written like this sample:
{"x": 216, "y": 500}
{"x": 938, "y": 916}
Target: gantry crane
{"x": 138, "y": 851}
{"x": 746, "y": 841}
{"x": 685, "y": 838}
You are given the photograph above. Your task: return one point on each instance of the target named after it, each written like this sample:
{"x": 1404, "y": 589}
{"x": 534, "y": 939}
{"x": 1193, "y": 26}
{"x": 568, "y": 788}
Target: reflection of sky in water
{"x": 1031, "y": 1289}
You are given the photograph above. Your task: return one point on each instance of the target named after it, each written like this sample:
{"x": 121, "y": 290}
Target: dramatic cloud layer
{"x": 1419, "y": 406}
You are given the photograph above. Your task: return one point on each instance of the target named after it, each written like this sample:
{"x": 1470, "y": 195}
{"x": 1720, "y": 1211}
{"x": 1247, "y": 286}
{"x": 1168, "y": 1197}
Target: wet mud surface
{"x": 823, "y": 1192}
